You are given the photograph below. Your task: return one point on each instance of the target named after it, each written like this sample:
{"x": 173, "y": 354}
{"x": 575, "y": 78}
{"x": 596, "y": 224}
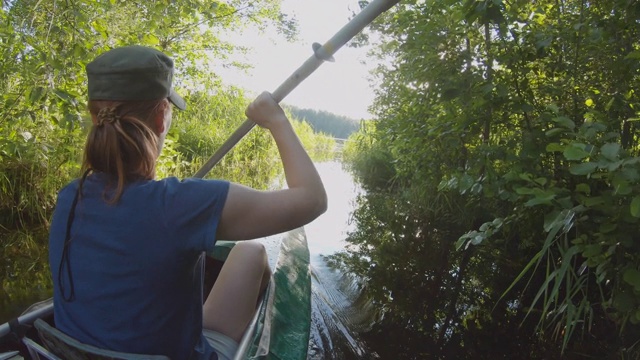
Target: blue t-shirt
{"x": 137, "y": 265}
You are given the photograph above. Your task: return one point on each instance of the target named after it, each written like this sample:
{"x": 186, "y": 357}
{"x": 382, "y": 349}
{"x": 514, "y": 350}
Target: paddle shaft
{"x": 325, "y": 52}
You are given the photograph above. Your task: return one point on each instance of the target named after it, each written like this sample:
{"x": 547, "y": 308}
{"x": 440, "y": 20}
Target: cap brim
{"x": 177, "y": 100}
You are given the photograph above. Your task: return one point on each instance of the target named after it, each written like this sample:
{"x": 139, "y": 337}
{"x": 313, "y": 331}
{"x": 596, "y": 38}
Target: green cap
{"x": 132, "y": 73}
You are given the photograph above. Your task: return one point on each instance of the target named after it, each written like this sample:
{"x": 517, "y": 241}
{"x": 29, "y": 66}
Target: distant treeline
{"x": 337, "y": 126}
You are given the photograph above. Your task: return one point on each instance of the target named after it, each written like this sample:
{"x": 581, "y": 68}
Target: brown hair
{"x": 122, "y": 142}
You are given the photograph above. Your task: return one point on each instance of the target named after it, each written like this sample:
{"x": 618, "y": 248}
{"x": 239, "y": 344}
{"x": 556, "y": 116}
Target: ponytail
{"x": 122, "y": 143}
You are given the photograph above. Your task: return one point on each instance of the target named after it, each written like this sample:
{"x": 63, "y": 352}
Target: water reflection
{"x": 339, "y": 312}
{"x": 327, "y": 233}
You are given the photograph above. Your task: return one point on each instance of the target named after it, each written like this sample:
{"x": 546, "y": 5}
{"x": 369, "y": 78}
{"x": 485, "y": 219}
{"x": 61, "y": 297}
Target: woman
{"x": 126, "y": 250}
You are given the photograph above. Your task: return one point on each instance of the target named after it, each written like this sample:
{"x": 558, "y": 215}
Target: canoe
{"x": 278, "y": 330}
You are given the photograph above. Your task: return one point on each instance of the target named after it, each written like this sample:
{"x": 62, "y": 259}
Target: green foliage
{"x": 200, "y": 130}
{"x": 506, "y": 130}
{"x": 368, "y": 159}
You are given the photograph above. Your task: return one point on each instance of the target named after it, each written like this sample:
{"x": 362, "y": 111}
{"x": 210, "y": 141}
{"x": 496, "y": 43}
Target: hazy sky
{"x": 340, "y": 87}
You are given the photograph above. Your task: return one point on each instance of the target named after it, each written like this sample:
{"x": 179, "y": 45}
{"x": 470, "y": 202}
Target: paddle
{"x": 321, "y": 54}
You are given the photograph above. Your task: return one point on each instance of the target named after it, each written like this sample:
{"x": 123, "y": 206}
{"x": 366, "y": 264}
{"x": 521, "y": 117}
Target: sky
{"x": 341, "y": 87}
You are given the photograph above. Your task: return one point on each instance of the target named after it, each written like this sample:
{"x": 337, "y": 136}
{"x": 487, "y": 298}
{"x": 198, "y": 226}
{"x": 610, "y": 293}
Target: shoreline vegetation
{"x": 500, "y": 217}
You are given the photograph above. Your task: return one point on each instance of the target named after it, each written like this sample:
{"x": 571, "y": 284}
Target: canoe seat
{"x": 65, "y": 347}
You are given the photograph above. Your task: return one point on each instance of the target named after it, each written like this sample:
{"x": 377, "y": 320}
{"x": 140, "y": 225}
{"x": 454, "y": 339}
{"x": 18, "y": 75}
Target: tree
{"x": 505, "y": 130}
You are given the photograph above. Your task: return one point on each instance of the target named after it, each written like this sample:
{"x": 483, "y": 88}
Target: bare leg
{"x": 232, "y": 301}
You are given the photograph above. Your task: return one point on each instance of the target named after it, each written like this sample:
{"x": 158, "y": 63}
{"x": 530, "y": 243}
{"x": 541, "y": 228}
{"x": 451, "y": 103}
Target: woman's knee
{"x": 251, "y": 250}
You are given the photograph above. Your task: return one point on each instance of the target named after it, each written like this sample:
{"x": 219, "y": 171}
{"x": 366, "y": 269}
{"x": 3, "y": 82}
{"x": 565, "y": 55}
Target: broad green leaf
{"x": 36, "y": 94}
{"x": 610, "y": 104}
{"x": 558, "y": 220}
{"x": 150, "y": 39}
{"x": 473, "y": 234}
{"x": 465, "y": 183}
{"x": 525, "y": 191}
{"x": 552, "y": 219}
{"x": 450, "y": 94}
{"x": 553, "y": 108}
{"x": 448, "y": 184}
{"x": 477, "y": 240}
{"x": 526, "y": 107}
{"x": 589, "y": 102}
{"x": 632, "y": 277}
{"x": 476, "y": 188}
{"x": 542, "y": 181}
{"x": 583, "y": 188}
{"x": 554, "y": 147}
{"x": 592, "y": 250}
{"x": 593, "y": 201}
{"x": 565, "y": 202}
{"x": 633, "y": 55}
{"x": 541, "y": 199}
{"x": 525, "y": 176}
{"x": 632, "y": 161}
{"x": 621, "y": 186}
{"x": 613, "y": 166}
{"x": 608, "y": 227}
{"x": 554, "y": 131}
{"x": 583, "y": 169}
{"x": 564, "y": 122}
{"x": 573, "y": 152}
{"x": 610, "y": 150}
{"x": 487, "y": 88}
{"x": 631, "y": 174}
{"x": 543, "y": 43}
{"x": 623, "y": 302}
{"x": 635, "y": 207}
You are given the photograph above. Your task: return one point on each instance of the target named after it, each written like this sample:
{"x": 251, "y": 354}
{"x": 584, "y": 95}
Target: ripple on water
{"x": 339, "y": 311}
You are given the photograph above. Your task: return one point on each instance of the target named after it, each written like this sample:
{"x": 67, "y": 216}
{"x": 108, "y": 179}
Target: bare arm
{"x": 250, "y": 213}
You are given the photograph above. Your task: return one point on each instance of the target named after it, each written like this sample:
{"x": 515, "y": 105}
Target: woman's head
{"x": 129, "y": 101}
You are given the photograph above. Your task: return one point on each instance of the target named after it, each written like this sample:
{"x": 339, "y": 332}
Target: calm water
{"x": 338, "y": 310}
